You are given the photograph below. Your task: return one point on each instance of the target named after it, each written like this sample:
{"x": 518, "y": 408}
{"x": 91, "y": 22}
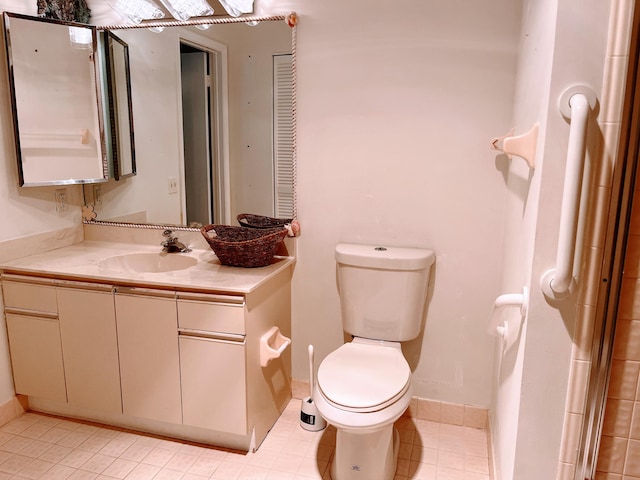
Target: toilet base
{"x": 366, "y": 455}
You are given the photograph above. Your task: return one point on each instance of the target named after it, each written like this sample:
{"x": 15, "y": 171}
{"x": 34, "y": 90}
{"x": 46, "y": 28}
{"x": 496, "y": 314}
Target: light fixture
{"x": 136, "y": 10}
{"x": 80, "y": 37}
{"x": 185, "y": 9}
{"x": 235, "y": 8}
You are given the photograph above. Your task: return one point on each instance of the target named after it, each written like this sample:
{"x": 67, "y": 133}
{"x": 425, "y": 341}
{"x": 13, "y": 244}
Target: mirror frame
{"x": 101, "y": 156}
{"x": 116, "y": 108}
{"x": 291, "y": 20}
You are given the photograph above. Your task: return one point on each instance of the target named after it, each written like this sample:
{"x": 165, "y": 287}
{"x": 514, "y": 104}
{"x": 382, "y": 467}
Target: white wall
{"x": 397, "y": 104}
{"x": 535, "y": 59}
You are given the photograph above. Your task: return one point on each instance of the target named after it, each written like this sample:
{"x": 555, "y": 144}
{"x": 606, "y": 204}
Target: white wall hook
{"x": 524, "y": 146}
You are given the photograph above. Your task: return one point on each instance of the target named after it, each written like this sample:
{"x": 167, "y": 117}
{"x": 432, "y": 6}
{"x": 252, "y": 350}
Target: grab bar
{"x": 497, "y": 326}
{"x": 575, "y": 104}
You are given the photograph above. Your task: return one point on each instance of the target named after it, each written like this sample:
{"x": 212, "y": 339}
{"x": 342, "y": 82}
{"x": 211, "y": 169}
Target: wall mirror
{"x": 56, "y": 101}
{"x": 214, "y": 125}
{"x": 119, "y": 131}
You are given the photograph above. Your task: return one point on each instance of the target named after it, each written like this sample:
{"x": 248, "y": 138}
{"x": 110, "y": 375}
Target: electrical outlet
{"x": 61, "y": 200}
{"x": 173, "y": 185}
{"x": 97, "y": 195}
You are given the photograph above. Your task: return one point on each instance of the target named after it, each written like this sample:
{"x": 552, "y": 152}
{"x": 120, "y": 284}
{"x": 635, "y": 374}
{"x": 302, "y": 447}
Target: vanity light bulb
{"x": 235, "y": 8}
{"x": 136, "y": 10}
{"x": 185, "y": 9}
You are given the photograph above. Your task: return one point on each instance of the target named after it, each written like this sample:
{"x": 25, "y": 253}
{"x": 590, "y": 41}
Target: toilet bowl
{"x": 364, "y": 386}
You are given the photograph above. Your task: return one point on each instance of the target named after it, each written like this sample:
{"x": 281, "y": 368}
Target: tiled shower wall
{"x": 619, "y": 457}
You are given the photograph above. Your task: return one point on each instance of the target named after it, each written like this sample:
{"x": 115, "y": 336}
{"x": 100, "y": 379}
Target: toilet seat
{"x": 364, "y": 377}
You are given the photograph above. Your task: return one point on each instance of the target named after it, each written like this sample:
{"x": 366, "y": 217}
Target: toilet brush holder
{"x": 310, "y": 418}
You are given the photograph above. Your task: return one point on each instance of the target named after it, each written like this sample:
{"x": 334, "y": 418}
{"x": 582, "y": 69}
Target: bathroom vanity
{"x": 171, "y": 345}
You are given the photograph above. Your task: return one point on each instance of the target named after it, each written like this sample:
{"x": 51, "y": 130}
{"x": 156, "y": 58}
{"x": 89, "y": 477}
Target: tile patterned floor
{"x": 39, "y": 447}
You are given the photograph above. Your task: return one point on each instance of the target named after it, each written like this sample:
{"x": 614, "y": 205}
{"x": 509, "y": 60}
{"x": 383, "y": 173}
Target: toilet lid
{"x": 363, "y": 377}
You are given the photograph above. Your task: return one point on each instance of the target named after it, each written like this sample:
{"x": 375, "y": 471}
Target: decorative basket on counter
{"x": 259, "y": 221}
{"x": 243, "y": 247}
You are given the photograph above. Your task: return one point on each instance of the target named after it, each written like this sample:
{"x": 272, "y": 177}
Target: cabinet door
{"x": 149, "y": 363}
{"x": 89, "y": 344}
{"x": 36, "y": 356}
{"x": 213, "y": 384}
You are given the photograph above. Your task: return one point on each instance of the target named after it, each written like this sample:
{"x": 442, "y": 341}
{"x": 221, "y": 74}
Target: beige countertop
{"x": 82, "y": 262}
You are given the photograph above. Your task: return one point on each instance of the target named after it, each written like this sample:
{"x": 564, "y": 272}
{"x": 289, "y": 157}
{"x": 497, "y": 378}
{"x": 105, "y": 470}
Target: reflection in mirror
{"x": 119, "y": 121}
{"x": 55, "y": 101}
{"x": 213, "y": 124}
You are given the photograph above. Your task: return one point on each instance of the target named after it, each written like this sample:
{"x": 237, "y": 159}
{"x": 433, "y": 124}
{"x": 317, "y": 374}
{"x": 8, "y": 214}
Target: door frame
{"x": 221, "y": 188}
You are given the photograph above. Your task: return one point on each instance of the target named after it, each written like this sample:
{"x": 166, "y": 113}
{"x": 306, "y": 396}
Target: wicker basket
{"x": 243, "y": 247}
{"x": 260, "y": 221}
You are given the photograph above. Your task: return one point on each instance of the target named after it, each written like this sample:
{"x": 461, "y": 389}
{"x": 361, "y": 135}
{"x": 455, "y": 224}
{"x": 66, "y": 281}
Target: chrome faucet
{"x": 172, "y": 245}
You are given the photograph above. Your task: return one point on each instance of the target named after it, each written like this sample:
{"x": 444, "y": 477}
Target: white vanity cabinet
{"x": 33, "y": 330}
{"x": 154, "y": 357}
{"x": 149, "y": 362}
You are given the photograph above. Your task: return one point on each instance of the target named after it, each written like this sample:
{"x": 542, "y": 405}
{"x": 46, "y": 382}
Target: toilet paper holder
{"x": 272, "y": 344}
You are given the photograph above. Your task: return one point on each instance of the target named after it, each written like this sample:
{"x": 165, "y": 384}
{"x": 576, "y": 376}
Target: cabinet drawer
{"x": 211, "y": 317}
{"x": 28, "y": 296}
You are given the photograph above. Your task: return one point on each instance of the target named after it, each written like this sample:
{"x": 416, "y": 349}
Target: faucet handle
{"x": 168, "y": 234}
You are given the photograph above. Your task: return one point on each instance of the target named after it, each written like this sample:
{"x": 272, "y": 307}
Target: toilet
{"x": 364, "y": 386}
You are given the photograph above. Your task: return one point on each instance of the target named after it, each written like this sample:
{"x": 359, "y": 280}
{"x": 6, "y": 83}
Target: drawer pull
{"x": 30, "y": 313}
{"x": 202, "y": 335}
{"x": 147, "y": 292}
{"x": 9, "y": 277}
{"x": 212, "y": 298}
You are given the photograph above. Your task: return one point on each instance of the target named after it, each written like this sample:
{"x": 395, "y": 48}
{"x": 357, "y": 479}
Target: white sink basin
{"x": 147, "y": 262}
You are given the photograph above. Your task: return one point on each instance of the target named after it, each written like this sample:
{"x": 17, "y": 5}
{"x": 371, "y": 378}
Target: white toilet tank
{"x": 383, "y": 290}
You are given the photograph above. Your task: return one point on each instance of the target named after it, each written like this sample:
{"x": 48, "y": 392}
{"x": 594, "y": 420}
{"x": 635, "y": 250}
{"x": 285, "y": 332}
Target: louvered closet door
{"x": 283, "y": 134}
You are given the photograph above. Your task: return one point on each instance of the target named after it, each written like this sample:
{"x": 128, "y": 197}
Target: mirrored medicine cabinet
{"x": 55, "y": 100}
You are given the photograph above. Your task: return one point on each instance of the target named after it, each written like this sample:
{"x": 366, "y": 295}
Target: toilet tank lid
{"x": 389, "y": 258}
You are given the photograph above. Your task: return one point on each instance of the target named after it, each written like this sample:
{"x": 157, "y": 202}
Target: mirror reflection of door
{"x": 198, "y": 118}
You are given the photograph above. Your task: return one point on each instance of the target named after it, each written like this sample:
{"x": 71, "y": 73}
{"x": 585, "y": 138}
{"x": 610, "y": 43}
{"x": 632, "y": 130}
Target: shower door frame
{"x": 615, "y": 249}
